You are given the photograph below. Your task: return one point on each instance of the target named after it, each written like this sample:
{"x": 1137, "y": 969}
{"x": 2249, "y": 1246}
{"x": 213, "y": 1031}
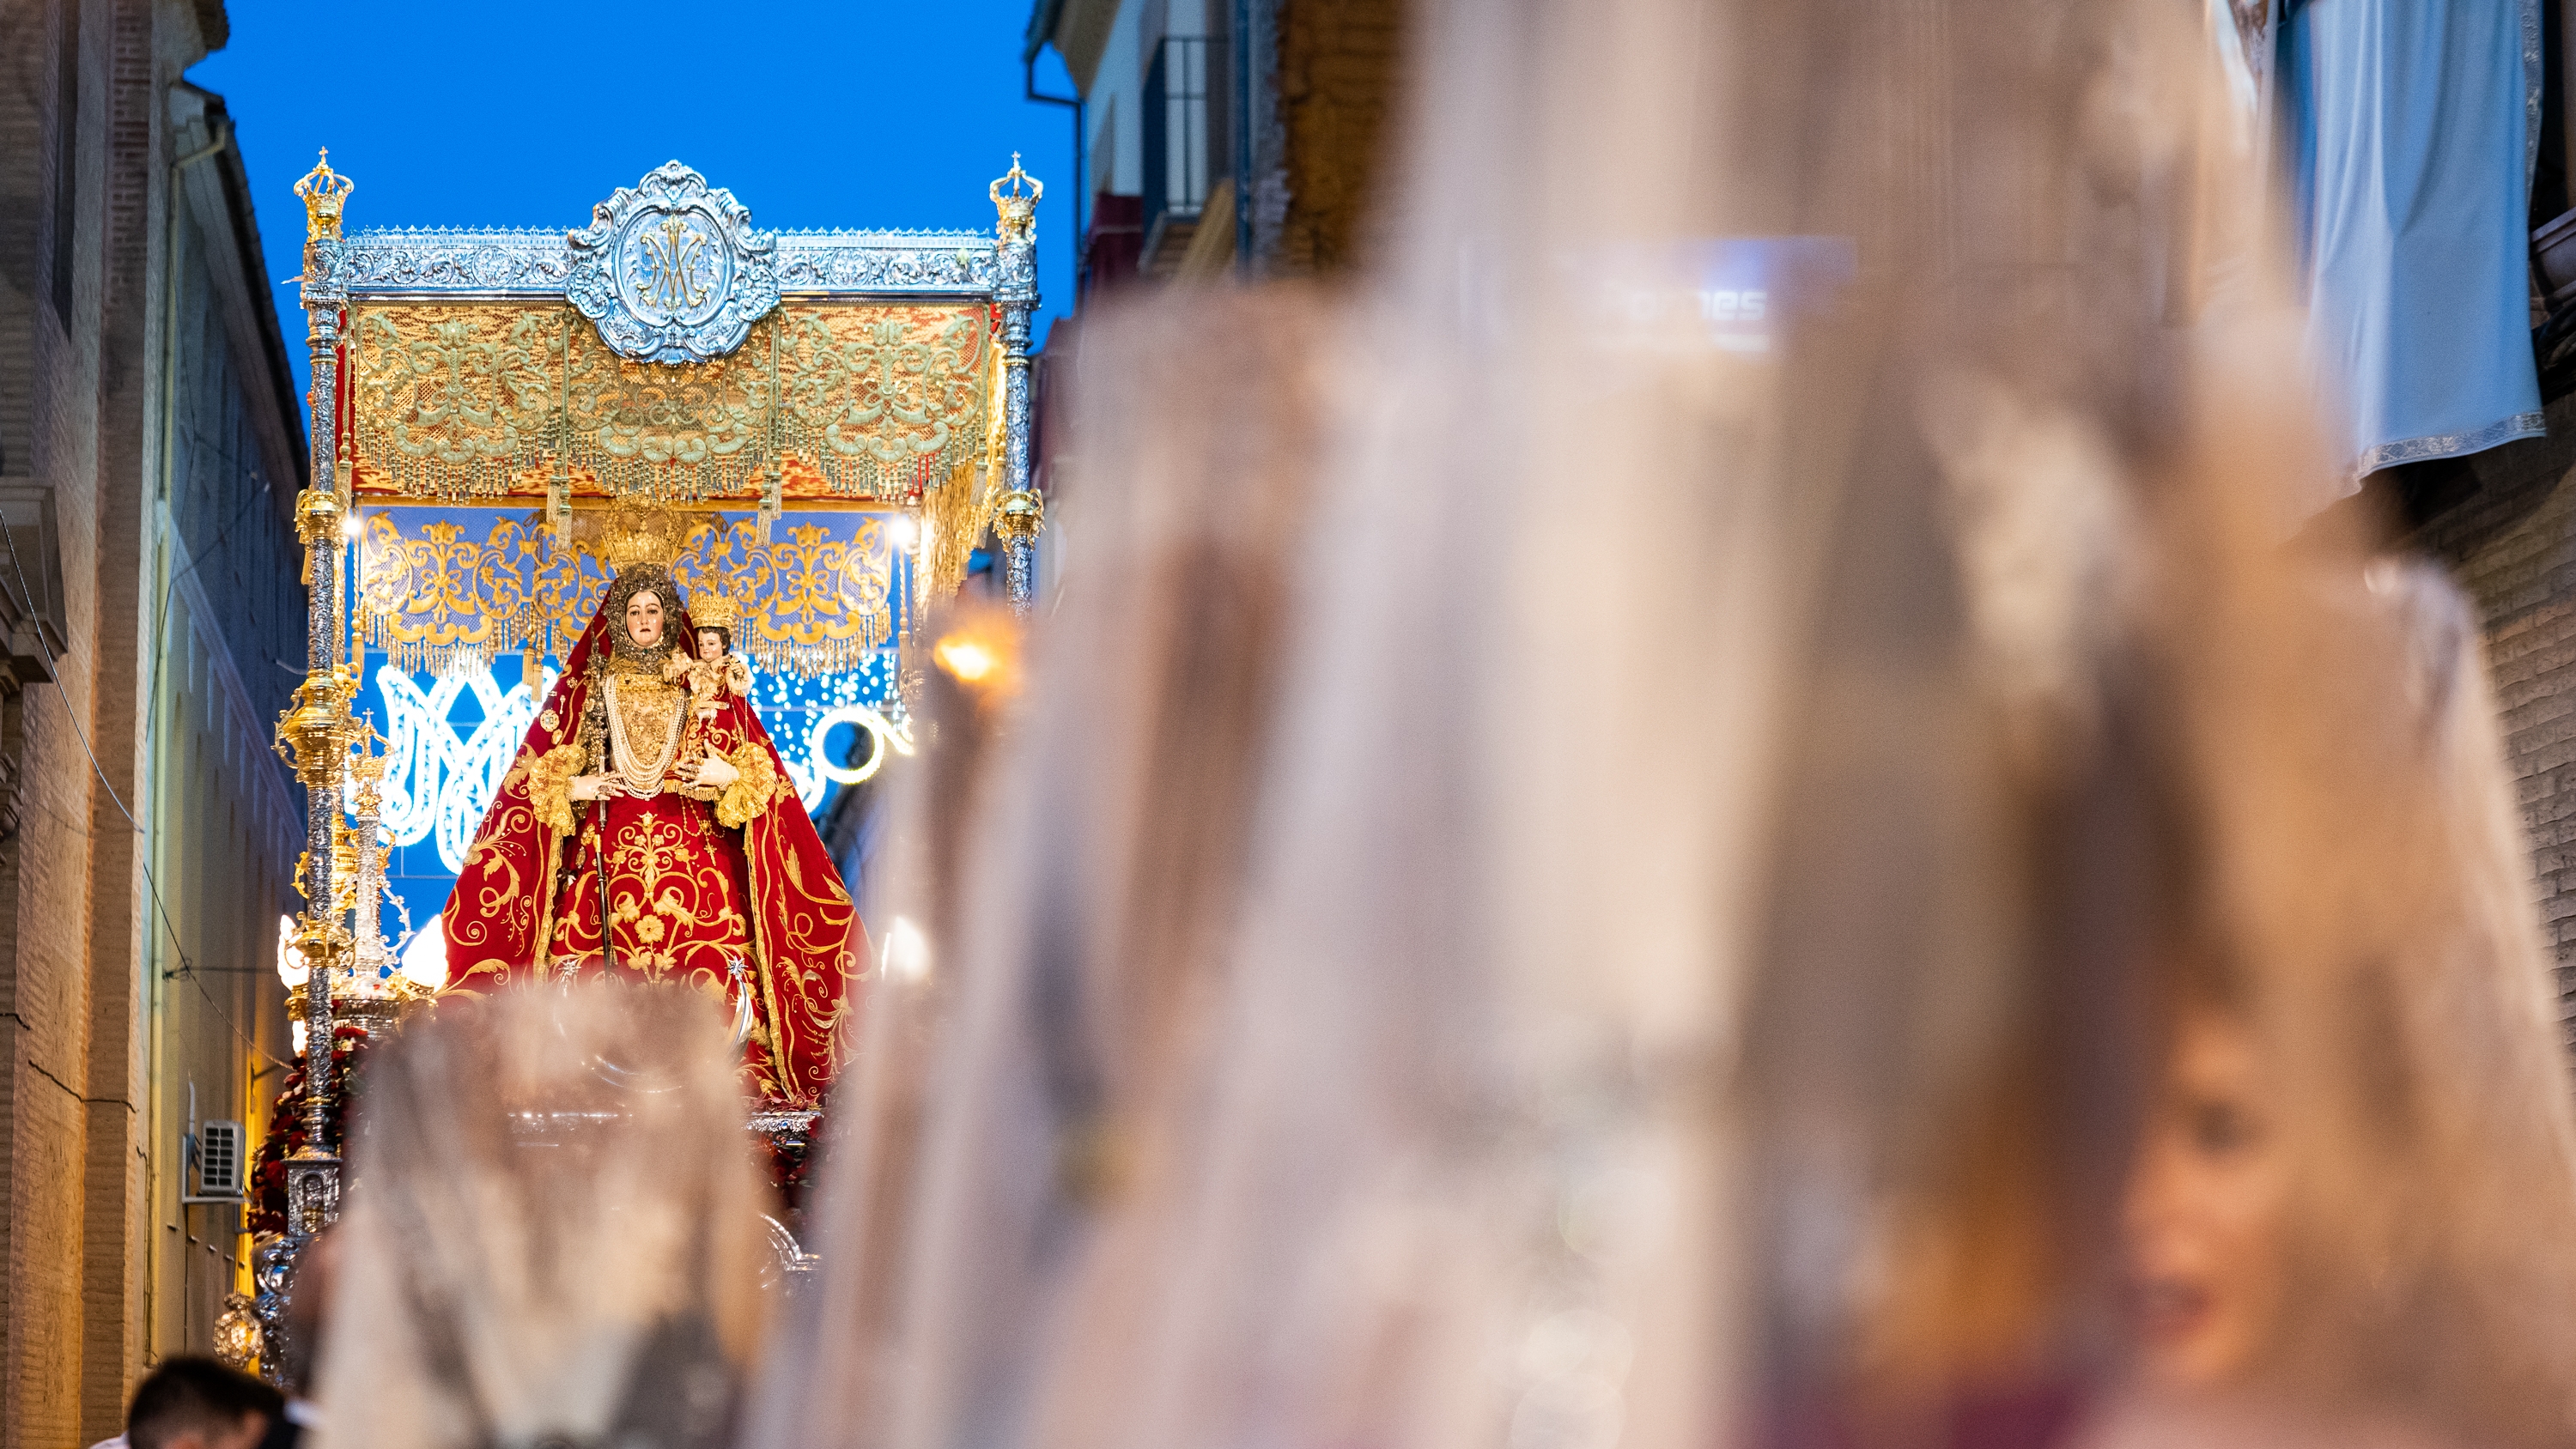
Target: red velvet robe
{"x": 691, "y": 893}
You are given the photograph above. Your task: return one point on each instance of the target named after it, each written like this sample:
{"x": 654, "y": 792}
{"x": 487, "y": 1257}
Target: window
{"x": 1176, "y": 129}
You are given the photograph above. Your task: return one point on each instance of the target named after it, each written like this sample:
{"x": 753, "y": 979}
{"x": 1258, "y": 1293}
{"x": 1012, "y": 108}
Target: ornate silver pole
{"x": 1019, "y": 514}
{"x": 316, "y": 732}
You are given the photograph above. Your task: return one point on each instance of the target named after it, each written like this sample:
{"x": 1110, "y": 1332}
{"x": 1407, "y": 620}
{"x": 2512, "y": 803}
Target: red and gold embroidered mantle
{"x": 695, "y": 881}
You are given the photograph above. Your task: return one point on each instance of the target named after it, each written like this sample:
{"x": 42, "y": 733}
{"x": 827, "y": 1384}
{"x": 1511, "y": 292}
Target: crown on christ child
{"x": 714, "y": 606}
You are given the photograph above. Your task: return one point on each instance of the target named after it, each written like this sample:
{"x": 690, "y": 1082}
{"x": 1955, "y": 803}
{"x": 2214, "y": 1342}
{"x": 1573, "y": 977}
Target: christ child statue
{"x": 710, "y": 672}
{"x": 711, "y": 669}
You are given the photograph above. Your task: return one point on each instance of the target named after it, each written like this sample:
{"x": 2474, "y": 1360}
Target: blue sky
{"x": 863, "y": 113}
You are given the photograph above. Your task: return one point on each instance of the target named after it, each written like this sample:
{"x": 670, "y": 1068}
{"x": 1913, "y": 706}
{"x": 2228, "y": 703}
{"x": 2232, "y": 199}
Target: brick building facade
{"x": 1336, "y": 78}
{"x": 150, "y": 449}
{"x": 2511, "y": 540}
{"x": 1179, "y": 100}
{"x": 1183, "y": 99}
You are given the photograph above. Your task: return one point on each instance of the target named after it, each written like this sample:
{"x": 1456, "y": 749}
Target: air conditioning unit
{"x": 220, "y": 1150}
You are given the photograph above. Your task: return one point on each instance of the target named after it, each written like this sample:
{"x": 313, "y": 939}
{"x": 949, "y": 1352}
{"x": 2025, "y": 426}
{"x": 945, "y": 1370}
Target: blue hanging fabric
{"x": 2411, "y": 127}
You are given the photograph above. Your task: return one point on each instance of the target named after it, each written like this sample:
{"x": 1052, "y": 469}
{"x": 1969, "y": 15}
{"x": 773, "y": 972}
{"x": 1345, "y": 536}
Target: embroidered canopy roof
{"x": 492, "y": 382}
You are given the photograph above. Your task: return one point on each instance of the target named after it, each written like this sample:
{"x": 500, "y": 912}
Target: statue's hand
{"x": 594, "y": 787}
{"x": 715, "y": 772}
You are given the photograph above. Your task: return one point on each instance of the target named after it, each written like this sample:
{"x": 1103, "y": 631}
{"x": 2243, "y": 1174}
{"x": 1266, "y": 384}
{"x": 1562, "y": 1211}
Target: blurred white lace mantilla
{"x": 440, "y": 778}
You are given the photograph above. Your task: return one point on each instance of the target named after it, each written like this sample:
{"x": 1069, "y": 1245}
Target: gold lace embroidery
{"x": 550, "y": 777}
{"x": 751, "y": 794}
{"x": 642, "y": 710}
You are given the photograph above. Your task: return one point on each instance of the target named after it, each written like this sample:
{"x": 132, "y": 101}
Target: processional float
{"x": 844, "y": 415}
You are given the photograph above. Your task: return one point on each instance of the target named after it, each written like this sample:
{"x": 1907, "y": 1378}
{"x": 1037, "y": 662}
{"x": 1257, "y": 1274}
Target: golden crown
{"x": 1018, "y": 204}
{"x": 627, "y": 535}
{"x": 714, "y": 607}
{"x": 324, "y": 191}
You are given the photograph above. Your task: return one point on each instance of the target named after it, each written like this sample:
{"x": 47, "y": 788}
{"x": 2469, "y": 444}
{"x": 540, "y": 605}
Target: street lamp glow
{"x": 968, "y": 659}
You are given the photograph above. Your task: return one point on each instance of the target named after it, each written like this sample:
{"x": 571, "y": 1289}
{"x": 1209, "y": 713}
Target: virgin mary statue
{"x": 647, "y": 830}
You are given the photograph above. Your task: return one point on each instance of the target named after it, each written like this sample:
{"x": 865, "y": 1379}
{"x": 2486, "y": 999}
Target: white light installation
{"x": 425, "y": 959}
{"x": 880, "y": 735}
{"x": 435, "y": 780}
{"x": 439, "y": 779}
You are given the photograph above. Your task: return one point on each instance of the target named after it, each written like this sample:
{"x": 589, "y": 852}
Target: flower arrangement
{"x": 287, "y": 1131}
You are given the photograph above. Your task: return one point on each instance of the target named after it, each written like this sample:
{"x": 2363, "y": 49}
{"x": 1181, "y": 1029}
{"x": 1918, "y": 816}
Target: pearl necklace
{"x": 640, "y": 779}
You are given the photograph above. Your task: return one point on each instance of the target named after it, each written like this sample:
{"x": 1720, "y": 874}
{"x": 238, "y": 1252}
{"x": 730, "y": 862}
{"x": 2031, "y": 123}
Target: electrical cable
{"x": 161, "y": 621}
{"x": 187, "y": 967}
{"x": 160, "y": 627}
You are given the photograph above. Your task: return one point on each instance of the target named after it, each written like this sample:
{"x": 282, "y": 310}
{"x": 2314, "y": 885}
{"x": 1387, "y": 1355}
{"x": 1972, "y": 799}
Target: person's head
{"x": 2208, "y": 1204}
{"x": 197, "y": 1403}
{"x": 644, "y": 618}
{"x": 712, "y": 643}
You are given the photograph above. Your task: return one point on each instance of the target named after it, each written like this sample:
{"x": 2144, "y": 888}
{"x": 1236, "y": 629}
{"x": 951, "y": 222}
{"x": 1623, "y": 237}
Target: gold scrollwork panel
{"x": 456, "y": 590}
{"x": 859, "y": 401}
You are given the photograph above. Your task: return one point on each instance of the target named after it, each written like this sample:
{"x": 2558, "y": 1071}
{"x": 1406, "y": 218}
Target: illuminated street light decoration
{"x": 883, "y": 735}
{"x": 439, "y": 782}
{"x": 441, "y": 776}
